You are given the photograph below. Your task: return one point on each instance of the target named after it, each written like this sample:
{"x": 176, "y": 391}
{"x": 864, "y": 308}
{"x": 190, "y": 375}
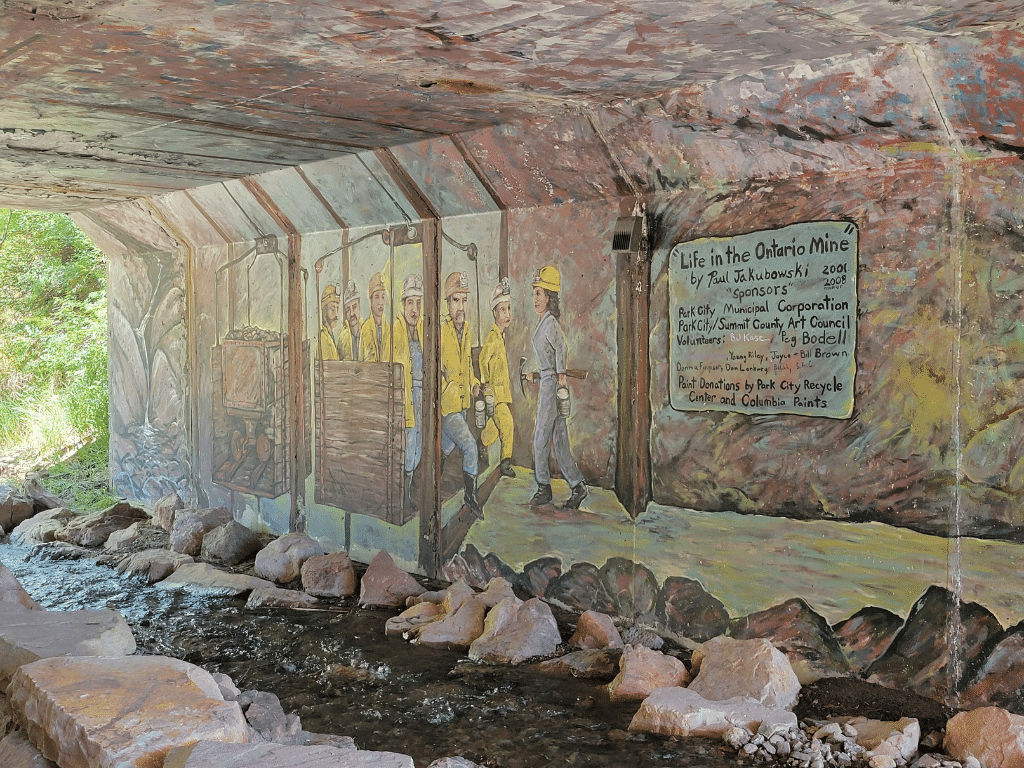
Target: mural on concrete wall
{"x": 146, "y": 311}
{"x": 250, "y": 408}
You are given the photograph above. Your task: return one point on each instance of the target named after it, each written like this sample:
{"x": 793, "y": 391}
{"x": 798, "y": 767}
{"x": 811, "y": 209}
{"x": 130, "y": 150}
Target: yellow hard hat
{"x": 376, "y": 284}
{"x": 457, "y": 282}
{"x": 330, "y": 293}
{"x": 548, "y": 278}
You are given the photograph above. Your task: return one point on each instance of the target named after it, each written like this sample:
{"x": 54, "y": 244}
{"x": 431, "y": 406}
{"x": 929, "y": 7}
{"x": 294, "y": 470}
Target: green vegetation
{"x": 82, "y": 480}
{"x": 53, "y": 349}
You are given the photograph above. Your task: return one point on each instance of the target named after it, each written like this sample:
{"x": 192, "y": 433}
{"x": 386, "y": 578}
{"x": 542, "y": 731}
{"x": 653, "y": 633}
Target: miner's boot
{"x": 579, "y": 493}
{"x": 505, "y": 468}
{"x": 542, "y": 496}
{"x": 471, "y": 501}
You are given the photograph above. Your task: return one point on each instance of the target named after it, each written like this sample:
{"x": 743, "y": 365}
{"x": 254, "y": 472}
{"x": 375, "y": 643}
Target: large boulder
{"x": 204, "y": 579}
{"x": 802, "y": 634}
{"x": 13, "y": 595}
{"x": 409, "y": 622}
{"x": 726, "y": 668}
{"x": 329, "y": 575}
{"x": 642, "y": 671}
{"x": 515, "y": 631}
{"x": 385, "y": 585}
{"x": 281, "y": 560}
{"x": 191, "y": 526}
{"x": 42, "y": 528}
{"x": 212, "y": 754}
{"x": 153, "y": 564}
{"x": 991, "y": 735}
{"x": 15, "y": 507}
{"x": 27, "y": 636}
{"x": 92, "y": 530}
{"x": 230, "y": 544}
{"x": 684, "y": 712}
{"x": 130, "y": 711}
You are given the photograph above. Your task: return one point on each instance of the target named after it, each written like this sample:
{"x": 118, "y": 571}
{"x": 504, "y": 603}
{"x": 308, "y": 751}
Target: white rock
{"x": 153, "y": 564}
{"x": 497, "y": 589}
{"x": 329, "y": 575}
{"x": 898, "y": 739}
{"x": 753, "y": 669}
{"x": 281, "y": 560}
{"x": 882, "y": 761}
{"x": 27, "y": 636}
{"x": 515, "y": 631}
{"x": 16, "y": 751}
{"x": 683, "y": 712}
{"x": 642, "y": 670}
{"x": 100, "y": 712}
{"x": 595, "y": 631}
{"x": 204, "y": 579}
{"x": 275, "y": 597}
{"x": 210, "y": 754}
{"x": 990, "y": 734}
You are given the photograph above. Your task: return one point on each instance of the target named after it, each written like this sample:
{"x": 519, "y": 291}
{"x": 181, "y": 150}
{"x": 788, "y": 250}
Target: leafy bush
{"x": 53, "y": 334}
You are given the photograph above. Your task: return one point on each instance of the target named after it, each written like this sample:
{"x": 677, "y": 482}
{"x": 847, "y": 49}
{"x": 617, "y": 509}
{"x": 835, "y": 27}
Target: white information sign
{"x": 765, "y": 322}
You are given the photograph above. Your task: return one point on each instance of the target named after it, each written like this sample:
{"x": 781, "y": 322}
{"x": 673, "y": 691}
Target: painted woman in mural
{"x": 551, "y": 431}
{"x": 495, "y": 380}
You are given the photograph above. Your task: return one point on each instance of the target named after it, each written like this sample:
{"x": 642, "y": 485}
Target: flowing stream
{"x": 341, "y": 674}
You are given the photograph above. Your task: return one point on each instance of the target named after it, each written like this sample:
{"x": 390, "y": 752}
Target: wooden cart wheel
{"x": 237, "y": 445}
{"x": 264, "y": 448}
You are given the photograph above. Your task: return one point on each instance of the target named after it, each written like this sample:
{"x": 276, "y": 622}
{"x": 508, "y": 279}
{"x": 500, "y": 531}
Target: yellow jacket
{"x": 457, "y": 377}
{"x": 345, "y": 351}
{"x": 328, "y": 349}
{"x": 494, "y": 366}
{"x": 368, "y": 341}
{"x": 403, "y": 356}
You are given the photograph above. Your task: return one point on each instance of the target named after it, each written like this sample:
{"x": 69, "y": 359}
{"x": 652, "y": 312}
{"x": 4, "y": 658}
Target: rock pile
{"x": 736, "y": 679}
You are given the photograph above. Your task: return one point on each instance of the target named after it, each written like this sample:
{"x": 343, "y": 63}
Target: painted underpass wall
{"x": 919, "y": 486}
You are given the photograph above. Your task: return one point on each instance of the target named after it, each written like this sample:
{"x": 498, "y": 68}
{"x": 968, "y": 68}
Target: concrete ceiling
{"x": 106, "y": 100}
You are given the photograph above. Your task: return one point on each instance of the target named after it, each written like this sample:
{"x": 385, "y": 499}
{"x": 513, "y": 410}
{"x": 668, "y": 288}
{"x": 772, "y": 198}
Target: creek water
{"x": 342, "y": 675}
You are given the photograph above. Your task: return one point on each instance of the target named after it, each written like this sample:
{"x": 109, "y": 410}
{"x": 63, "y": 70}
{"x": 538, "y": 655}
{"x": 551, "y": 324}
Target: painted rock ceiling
{"x": 104, "y": 100}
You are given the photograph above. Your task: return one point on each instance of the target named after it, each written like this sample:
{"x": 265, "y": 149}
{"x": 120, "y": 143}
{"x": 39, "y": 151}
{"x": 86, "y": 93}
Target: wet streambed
{"x": 338, "y": 671}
